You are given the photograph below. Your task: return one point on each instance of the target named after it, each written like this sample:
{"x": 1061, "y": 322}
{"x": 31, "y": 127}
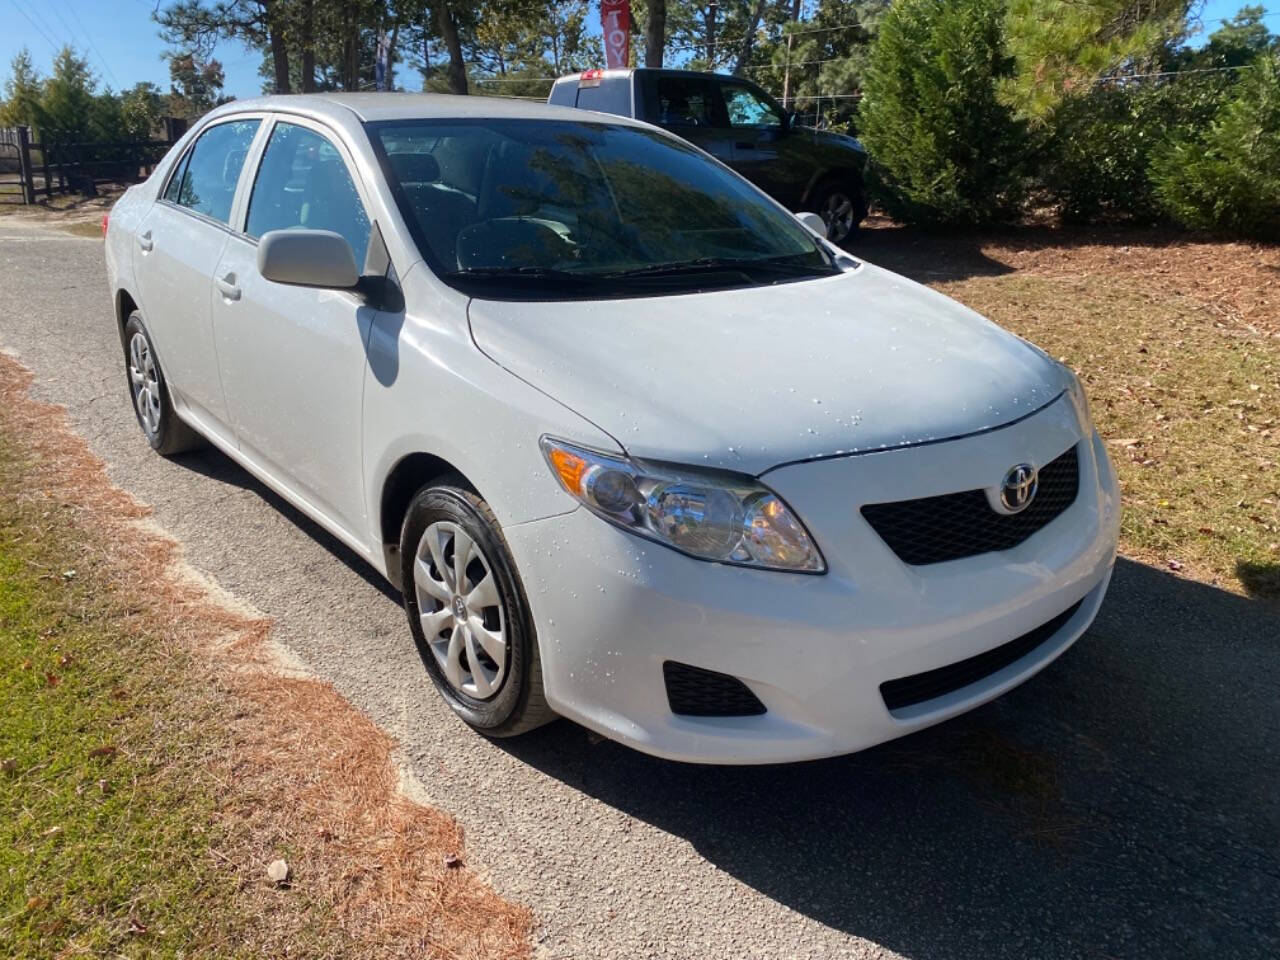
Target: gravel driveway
{"x": 1124, "y": 803}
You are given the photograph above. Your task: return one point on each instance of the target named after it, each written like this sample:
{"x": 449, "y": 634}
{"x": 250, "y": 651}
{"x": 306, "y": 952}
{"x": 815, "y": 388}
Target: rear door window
{"x": 682, "y": 102}
{"x": 206, "y": 182}
{"x": 303, "y": 182}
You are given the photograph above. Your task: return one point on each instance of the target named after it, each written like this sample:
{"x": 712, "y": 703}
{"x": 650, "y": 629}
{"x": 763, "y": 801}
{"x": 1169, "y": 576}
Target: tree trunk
{"x": 279, "y": 52}
{"x": 308, "y": 40}
{"x": 709, "y": 22}
{"x": 786, "y": 76}
{"x": 449, "y": 31}
{"x": 655, "y": 33}
{"x": 391, "y": 56}
{"x": 749, "y": 38}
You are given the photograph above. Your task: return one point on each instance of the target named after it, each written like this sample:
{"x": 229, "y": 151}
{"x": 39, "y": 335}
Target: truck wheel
{"x": 842, "y": 208}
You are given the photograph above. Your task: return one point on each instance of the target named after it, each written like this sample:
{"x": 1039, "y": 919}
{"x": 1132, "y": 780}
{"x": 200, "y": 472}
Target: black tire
{"x": 845, "y": 195}
{"x": 519, "y": 704}
{"x": 166, "y": 432}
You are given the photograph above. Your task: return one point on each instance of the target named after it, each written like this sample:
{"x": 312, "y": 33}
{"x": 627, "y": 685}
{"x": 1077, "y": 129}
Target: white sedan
{"x": 638, "y": 447}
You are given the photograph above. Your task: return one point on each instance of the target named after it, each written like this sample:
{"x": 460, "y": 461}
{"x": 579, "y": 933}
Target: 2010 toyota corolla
{"x": 640, "y": 449}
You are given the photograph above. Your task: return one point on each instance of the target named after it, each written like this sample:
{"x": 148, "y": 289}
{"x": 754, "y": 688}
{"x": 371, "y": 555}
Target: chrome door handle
{"x": 227, "y": 286}
{"x": 145, "y": 242}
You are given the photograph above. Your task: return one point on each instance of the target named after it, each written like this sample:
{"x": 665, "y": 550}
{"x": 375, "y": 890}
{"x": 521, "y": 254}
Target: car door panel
{"x": 292, "y": 358}
{"x": 177, "y": 244}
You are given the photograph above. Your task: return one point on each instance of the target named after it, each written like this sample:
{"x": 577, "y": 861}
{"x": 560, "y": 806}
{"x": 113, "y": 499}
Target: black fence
{"x": 30, "y": 169}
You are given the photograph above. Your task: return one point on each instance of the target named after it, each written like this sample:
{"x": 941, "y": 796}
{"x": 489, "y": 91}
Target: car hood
{"x": 832, "y": 139}
{"x": 748, "y": 379}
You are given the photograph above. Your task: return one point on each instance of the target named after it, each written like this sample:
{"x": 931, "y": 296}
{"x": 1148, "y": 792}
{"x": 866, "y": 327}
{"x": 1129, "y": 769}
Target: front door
{"x": 178, "y": 244}
{"x": 760, "y": 135}
{"x": 293, "y": 358}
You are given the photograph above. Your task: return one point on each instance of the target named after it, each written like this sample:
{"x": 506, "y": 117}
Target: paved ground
{"x": 1126, "y": 803}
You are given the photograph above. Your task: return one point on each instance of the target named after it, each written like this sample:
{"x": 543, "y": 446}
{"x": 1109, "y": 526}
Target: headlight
{"x": 729, "y": 520}
{"x": 1080, "y": 399}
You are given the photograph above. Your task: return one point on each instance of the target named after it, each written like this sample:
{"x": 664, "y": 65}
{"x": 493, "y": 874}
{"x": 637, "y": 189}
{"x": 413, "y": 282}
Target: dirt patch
{"x": 305, "y": 776}
{"x": 1238, "y": 284}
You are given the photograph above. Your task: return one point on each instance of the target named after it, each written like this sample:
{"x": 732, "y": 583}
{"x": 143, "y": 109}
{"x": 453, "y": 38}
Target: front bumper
{"x": 610, "y": 608}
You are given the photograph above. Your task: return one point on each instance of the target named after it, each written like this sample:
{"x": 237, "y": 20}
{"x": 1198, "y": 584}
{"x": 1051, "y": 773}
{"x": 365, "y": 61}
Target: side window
{"x": 211, "y": 170}
{"x": 303, "y": 182}
{"x": 175, "y": 181}
{"x": 747, "y": 109}
{"x": 683, "y": 102}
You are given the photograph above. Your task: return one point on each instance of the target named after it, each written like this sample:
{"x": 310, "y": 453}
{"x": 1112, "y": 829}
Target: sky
{"x": 123, "y": 46}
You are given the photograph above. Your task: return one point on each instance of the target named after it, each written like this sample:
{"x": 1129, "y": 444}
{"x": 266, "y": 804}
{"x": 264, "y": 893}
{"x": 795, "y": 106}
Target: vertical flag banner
{"x": 615, "y": 21}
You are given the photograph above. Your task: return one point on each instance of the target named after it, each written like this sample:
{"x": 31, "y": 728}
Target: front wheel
{"x": 468, "y": 613}
{"x": 842, "y": 208}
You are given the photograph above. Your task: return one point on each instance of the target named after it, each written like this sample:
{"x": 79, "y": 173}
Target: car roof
{"x": 371, "y": 107}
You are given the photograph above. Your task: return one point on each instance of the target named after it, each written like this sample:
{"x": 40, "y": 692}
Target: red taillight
{"x": 105, "y": 218}
{"x": 592, "y": 74}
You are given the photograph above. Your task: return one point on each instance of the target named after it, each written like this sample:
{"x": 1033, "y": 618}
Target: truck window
{"x": 682, "y": 102}
{"x": 611, "y": 95}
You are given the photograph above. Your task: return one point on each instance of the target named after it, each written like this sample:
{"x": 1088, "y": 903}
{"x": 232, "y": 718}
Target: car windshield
{"x": 564, "y": 209}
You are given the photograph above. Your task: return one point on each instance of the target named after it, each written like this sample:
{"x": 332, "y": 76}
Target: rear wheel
{"x": 152, "y": 404}
{"x": 842, "y": 208}
{"x": 468, "y": 612}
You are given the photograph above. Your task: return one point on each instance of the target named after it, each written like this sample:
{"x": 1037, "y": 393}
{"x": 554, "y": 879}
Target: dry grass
{"x": 1178, "y": 343}
{"x": 298, "y": 773}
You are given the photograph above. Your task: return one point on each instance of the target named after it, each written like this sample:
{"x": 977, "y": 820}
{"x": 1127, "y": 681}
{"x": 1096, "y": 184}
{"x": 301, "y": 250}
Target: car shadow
{"x": 1123, "y": 803}
{"x": 213, "y": 463}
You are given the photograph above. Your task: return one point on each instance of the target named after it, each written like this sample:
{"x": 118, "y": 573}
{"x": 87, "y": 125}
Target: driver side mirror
{"x": 307, "y": 258}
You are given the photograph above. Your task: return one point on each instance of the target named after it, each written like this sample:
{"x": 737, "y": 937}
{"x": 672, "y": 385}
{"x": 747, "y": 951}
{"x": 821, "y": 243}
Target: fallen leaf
{"x": 26, "y": 664}
{"x": 68, "y": 574}
{"x": 452, "y": 861}
{"x": 8, "y": 765}
{"x": 65, "y": 660}
{"x": 1175, "y": 565}
{"x": 136, "y": 927}
{"x": 52, "y": 679}
{"x": 36, "y": 903}
{"x": 106, "y": 750}
{"x": 278, "y": 871}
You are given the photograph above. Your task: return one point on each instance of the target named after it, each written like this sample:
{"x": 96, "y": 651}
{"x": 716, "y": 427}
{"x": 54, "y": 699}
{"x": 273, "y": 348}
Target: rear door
{"x": 293, "y": 358}
{"x": 179, "y": 242}
{"x": 689, "y": 107}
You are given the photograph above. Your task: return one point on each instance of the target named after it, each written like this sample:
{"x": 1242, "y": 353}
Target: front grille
{"x": 955, "y": 525}
{"x": 694, "y": 692}
{"x": 909, "y": 691}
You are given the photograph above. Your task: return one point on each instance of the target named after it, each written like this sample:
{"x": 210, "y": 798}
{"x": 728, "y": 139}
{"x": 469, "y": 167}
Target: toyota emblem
{"x": 1019, "y": 487}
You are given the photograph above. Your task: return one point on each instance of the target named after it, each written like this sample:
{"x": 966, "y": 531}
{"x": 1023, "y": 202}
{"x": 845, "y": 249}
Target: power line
{"x": 40, "y": 30}
{"x": 87, "y": 35}
{"x": 730, "y": 41}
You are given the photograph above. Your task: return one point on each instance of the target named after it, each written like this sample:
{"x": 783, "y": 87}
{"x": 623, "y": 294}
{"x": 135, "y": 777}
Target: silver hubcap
{"x": 837, "y": 213}
{"x": 145, "y": 382}
{"x": 461, "y": 613}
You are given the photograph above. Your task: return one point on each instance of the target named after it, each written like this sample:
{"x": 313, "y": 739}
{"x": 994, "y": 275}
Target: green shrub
{"x": 1097, "y": 158}
{"x": 944, "y": 149}
{"x": 1227, "y": 177}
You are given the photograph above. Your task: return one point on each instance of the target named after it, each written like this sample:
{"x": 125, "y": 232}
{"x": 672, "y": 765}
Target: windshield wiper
{"x": 773, "y": 265}
{"x": 520, "y": 273}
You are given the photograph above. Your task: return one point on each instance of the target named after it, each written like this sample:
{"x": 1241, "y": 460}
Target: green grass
{"x": 106, "y": 819}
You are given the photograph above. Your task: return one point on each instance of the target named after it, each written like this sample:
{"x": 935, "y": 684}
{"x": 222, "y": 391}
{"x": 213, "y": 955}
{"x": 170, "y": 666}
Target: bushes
{"x": 944, "y": 149}
{"x": 1228, "y": 176}
{"x": 1097, "y": 157}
